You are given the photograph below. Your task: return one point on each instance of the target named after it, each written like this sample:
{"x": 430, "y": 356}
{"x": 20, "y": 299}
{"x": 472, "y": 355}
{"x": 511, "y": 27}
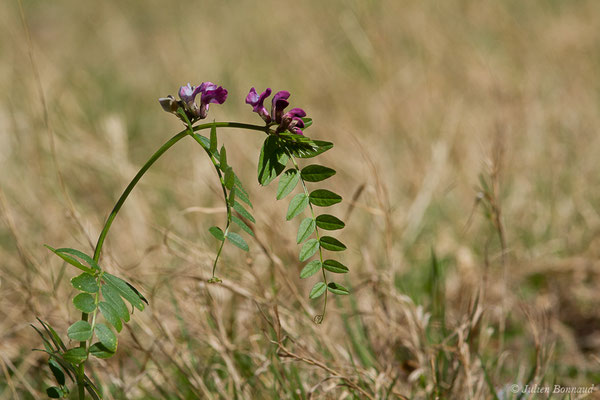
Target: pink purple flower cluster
{"x": 211, "y": 93}
{"x": 290, "y": 121}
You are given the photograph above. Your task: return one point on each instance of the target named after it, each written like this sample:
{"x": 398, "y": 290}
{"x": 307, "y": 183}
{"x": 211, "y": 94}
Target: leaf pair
{"x": 233, "y": 237}
{"x": 82, "y": 331}
{"x": 315, "y": 266}
{"x": 325, "y": 221}
{"x": 277, "y": 149}
{"x": 320, "y": 287}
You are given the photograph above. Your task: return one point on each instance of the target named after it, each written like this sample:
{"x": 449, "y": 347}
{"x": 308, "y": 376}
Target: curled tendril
{"x": 318, "y": 319}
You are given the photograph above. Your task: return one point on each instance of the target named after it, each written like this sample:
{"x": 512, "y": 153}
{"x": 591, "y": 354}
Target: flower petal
{"x": 252, "y": 97}
{"x": 296, "y": 130}
{"x": 186, "y": 93}
{"x": 257, "y": 103}
{"x": 295, "y": 112}
{"x": 214, "y": 94}
{"x": 279, "y": 103}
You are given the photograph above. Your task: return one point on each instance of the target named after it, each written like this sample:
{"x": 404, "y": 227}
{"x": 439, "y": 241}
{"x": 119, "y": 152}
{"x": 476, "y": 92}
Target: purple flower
{"x": 209, "y": 93}
{"x": 188, "y": 94}
{"x": 257, "y": 101}
{"x": 290, "y": 121}
{"x": 278, "y": 104}
{"x": 296, "y": 126}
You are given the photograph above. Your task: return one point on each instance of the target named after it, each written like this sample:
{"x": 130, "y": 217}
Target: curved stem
{"x": 151, "y": 161}
{"x": 127, "y": 191}
{"x": 130, "y": 187}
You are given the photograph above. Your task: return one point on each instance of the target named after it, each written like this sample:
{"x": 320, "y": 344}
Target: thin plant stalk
{"x": 163, "y": 149}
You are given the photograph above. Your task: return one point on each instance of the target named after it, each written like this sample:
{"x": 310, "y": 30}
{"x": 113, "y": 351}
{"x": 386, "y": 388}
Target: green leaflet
{"x": 84, "y": 302}
{"x": 55, "y": 392}
{"x": 75, "y": 356}
{"x": 287, "y": 183}
{"x": 229, "y": 178}
{"x": 302, "y": 146}
{"x": 53, "y": 335}
{"x": 141, "y": 296}
{"x": 112, "y": 297}
{"x": 237, "y": 240}
{"x": 110, "y": 315}
{"x": 71, "y": 260}
{"x": 217, "y": 233}
{"x": 106, "y": 336}
{"x": 316, "y": 173}
{"x": 100, "y": 351}
{"x": 317, "y": 290}
{"x": 242, "y": 225}
{"x": 332, "y": 244}
{"x": 310, "y": 269}
{"x": 204, "y": 142}
{"x": 307, "y": 122}
{"x": 243, "y": 212}
{"x": 85, "y": 283}
{"x": 336, "y": 288}
{"x": 89, "y": 260}
{"x": 297, "y": 205}
{"x": 309, "y": 249}
{"x": 213, "y": 139}
{"x": 240, "y": 192}
{"x": 57, "y": 371}
{"x": 223, "y": 159}
{"x": 324, "y": 198}
{"x": 329, "y": 222}
{"x": 124, "y": 290}
{"x": 306, "y": 228}
{"x": 231, "y": 198}
{"x": 80, "y": 331}
{"x": 335, "y": 267}
{"x": 272, "y": 160}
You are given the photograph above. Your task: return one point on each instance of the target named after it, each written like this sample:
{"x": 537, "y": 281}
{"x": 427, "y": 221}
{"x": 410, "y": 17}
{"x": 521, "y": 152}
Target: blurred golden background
{"x": 455, "y": 123}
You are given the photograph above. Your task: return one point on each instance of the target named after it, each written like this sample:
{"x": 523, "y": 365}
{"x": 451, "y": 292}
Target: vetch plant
{"x": 107, "y": 302}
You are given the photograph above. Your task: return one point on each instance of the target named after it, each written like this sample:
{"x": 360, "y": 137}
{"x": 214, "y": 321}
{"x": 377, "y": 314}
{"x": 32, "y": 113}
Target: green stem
{"x": 319, "y": 318}
{"x": 151, "y": 161}
{"x": 80, "y": 382}
{"x": 225, "y": 197}
{"x": 127, "y": 191}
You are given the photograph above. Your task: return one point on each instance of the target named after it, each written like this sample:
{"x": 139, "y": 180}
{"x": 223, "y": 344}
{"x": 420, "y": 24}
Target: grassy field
{"x": 467, "y": 150}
